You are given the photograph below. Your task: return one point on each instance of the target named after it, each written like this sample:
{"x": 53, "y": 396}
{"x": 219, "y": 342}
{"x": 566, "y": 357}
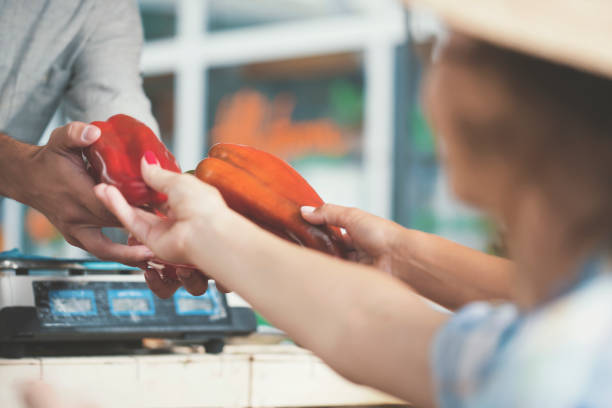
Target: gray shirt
{"x": 82, "y": 55}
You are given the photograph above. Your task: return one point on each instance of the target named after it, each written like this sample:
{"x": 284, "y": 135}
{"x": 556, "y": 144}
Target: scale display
{"x": 93, "y": 304}
{"x": 72, "y": 302}
{"x": 189, "y": 305}
{"x": 131, "y": 302}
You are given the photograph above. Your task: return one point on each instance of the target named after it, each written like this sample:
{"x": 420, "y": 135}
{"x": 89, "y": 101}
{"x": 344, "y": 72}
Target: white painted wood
{"x": 304, "y": 380}
{"x": 12, "y": 224}
{"x": 325, "y": 35}
{"x": 243, "y": 376}
{"x": 190, "y": 93}
{"x": 195, "y": 381}
{"x": 189, "y": 131}
{"x": 378, "y": 137}
{"x": 14, "y": 373}
{"x": 108, "y": 381}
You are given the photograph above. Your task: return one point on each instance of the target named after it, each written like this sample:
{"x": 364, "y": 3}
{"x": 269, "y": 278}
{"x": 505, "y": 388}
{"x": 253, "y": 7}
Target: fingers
{"x": 73, "y": 241}
{"x": 94, "y": 241}
{"x": 327, "y": 214}
{"x": 222, "y": 288}
{"x": 176, "y": 186}
{"x": 40, "y": 395}
{"x": 74, "y": 135}
{"x": 157, "y": 178}
{"x": 136, "y": 221}
{"x": 162, "y": 288}
{"x": 195, "y": 282}
{"x": 335, "y": 215}
{"x": 105, "y": 217}
{"x": 37, "y": 394}
{"x": 346, "y": 237}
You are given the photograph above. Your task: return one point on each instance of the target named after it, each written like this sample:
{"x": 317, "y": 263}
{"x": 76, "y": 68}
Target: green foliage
{"x": 346, "y": 103}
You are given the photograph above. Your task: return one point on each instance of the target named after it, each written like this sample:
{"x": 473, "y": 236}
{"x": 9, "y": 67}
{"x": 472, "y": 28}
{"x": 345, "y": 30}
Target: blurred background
{"x": 332, "y": 86}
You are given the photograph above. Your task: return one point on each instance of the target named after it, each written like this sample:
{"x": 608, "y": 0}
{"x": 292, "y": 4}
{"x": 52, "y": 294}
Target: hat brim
{"x": 575, "y": 33}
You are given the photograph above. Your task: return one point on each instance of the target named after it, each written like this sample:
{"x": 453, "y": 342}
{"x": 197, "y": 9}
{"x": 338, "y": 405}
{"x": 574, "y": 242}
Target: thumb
{"x": 329, "y": 214}
{"x": 74, "y": 135}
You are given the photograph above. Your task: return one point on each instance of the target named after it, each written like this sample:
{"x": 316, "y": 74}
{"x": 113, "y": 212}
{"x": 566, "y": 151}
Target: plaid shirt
{"x": 558, "y": 355}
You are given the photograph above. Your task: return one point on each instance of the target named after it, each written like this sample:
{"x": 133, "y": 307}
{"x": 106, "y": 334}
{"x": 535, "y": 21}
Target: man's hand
{"x": 53, "y": 179}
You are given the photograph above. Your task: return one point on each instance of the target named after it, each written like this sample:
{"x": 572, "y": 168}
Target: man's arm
{"x": 12, "y": 155}
{"x": 52, "y": 178}
{"x": 106, "y": 76}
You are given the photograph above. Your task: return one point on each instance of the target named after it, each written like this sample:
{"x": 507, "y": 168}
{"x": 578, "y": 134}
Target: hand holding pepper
{"x": 255, "y": 184}
{"x": 369, "y": 238}
{"x": 193, "y": 207}
{"x": 269, "y": 192}
{"x": 114, "y": 158}
{"x": 53, "y": 179}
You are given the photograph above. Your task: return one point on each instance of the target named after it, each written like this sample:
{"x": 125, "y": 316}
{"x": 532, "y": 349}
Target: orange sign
{"x": 39, "y": 228}
{"x": 249, "y": 118}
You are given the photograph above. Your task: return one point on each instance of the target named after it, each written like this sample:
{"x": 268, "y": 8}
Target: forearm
{"x": 13, "y": 157}
{"x": 361, "y": 322}
{"x": 449, "y": 273}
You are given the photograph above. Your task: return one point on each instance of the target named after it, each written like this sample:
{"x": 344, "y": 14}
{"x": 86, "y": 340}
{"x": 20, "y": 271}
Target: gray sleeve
{"x": 106, "y": 75}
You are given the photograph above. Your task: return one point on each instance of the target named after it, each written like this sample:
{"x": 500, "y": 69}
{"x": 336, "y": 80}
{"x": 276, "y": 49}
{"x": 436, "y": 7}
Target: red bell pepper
{"x": 115, "y": 158}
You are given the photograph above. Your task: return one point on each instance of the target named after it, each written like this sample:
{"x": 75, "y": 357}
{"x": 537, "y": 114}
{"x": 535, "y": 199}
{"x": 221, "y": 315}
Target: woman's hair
{"x": 552, "y": 122}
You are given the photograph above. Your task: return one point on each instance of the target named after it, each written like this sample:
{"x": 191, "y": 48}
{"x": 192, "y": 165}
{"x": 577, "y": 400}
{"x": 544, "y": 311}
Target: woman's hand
{"x": 191, "y": 208}
{"x": 37, "y": 394}
{"x": 438, "y": 269}
{"x": 370, "y": 238}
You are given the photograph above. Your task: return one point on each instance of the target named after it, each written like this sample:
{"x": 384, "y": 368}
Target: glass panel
{"x": 228, "y": 14}
{"x": 160, "y": 91}
{"x": 158, "y": 19}
{"x": 308, "y": 111}
{"x": 2, "y": 240}
{"x": 423, "y": 199}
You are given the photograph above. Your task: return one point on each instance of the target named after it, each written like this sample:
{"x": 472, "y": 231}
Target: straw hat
{"x": 572, "y": 32}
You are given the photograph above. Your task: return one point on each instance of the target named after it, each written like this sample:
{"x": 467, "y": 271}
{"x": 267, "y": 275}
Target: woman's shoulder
{"x": 562, "y": 355}
{"x": 466, "y": 345}
{"x": 559, "y": 353}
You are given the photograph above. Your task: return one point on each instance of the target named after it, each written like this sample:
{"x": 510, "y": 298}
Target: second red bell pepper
{"x": 115, "y": 158}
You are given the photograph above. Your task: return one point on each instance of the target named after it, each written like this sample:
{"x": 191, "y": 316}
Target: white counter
{"x": 242, "y": 376}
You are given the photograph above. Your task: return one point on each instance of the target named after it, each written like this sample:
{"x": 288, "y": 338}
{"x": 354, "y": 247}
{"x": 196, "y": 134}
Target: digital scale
{"x": 93, "y": 306}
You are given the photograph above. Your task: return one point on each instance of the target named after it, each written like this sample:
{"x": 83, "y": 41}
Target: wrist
{"x": 213, "y": 238}
{"x": 15, "y": 166}
{"x": 406, "y": 245}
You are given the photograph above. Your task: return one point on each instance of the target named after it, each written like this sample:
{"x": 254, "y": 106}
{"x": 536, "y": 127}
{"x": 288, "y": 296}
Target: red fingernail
{"x": 150, "y": 157}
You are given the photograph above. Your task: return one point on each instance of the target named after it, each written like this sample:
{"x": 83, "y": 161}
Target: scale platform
{"x": 76, "y": 306}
